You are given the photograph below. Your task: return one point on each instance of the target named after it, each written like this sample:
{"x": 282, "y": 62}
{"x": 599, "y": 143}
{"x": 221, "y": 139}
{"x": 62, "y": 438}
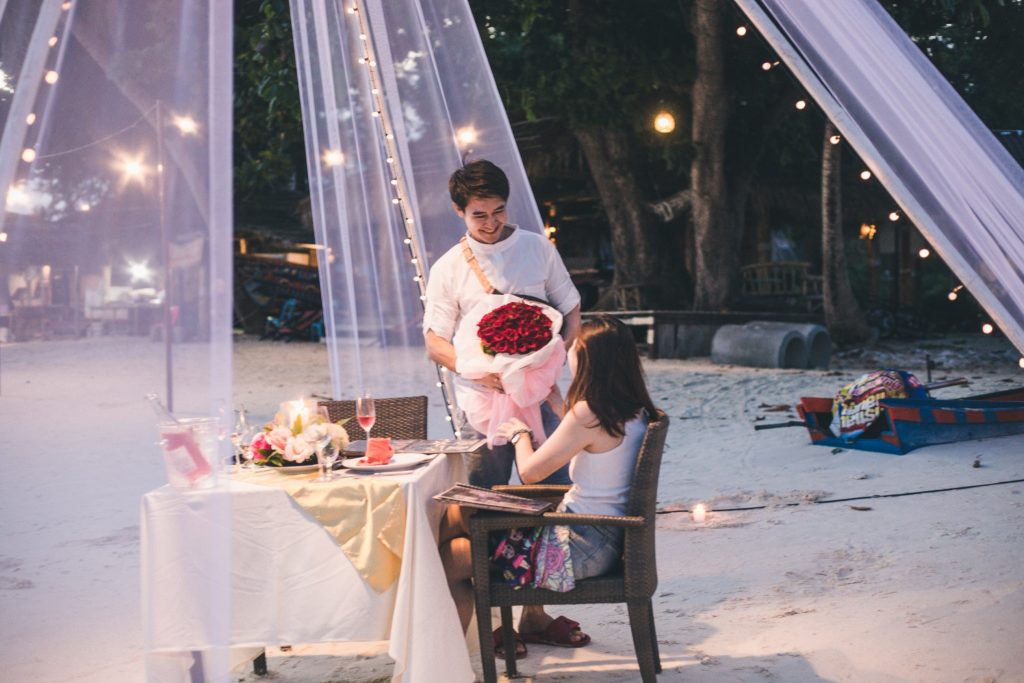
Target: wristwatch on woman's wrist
{"x": 518, "y": 434}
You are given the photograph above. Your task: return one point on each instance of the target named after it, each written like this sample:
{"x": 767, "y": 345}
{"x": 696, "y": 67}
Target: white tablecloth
{"x": 245, "y": 566}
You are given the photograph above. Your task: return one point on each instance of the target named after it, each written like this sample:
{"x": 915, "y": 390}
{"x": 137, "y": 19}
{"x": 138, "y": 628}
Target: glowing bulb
{"x": 835, "y": 139}
{"x": 51, "y": 77}
{"x": 987, "y": 328}
{"x": 767, "y": 66}
{"x": 362, "y": 36}
{"x": 373, "y": 63}
{"x": 924, "y": 253}
{"x": 391, "y": 160}
{"x": 741, "y": 31}
{"x": 361, "y": 60}
{"x": 407, "y": 240}
{"x": 700, "y": 513}
{"x": 801, "y": 104}
{"x": 351, "y": 10}
{"x": 3, "y": 238}
{"x": 30, "y": 119}
{"x": 140, "y": 272}
{"x": 333, "y": 157}
{"x": 28, "y": 155}
{"x": 1020, "y": 362}
{"x": 395, "y": 200}
{"x": 375, "y": 91}
{"x": 394, "y": 181}
{"x": 467, "y": 135}
{"x": 664, "y": 122}
{"x": 186, "y": 124}
{"x": 894, "y": 216}
{"x": 375, "y": 114}
{"x": 84, "y": 206}
{"x": 52, "y": 41}
{"x": 389, "y": 136}
{"x": 951, "y": 296}
{"x": 66, "y": 6}
{"x": 865, "y": 175}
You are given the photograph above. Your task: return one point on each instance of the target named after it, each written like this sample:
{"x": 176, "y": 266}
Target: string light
{"x": 741, "y": 31}
{"x": 66, "y": 6}
{"x": 333, "y": 157}
{"x": 51, "y": 77}
{"x": 865, "y": 175}
{"x": 924, "y": 253}
{"x": 768, "y": 66}
{"x": 30, "y": 119}
{"x": 463, "y": 137}
{"x": 28, "y": 155}
{"x": 952, "y": 296}
{"x": 186, "y": 124}
{"x": 801, "y": 104}
{"x": 894, "y": 216}
{"x": 834, "y": 139}
{"x": 52, "y": 41}
{"x": 987, "y": 328}
{"x": 1020, "y": 363}
{"x": 3, "y": 238}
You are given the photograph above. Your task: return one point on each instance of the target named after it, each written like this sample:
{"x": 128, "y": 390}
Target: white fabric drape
{"x": 116, "y": 280}
{"x": 950, "y": 175}
{"x": 442, "y": 103}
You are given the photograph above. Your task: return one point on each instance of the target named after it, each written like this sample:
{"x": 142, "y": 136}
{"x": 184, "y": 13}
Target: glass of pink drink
{"x": 366, "y": 413}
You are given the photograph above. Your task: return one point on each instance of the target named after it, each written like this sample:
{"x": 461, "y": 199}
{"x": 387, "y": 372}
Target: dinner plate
{"x": 399, "y": 461}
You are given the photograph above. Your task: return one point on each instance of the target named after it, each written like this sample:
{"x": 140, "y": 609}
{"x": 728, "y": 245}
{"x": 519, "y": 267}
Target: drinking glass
{"x": 366, "y": 414}
{"x": 241, "y": 435}
{"x": 326, "y": 452}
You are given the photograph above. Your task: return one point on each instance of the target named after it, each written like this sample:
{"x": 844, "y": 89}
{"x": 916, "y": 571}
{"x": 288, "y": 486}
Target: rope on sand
{"x": 853, "y": 498}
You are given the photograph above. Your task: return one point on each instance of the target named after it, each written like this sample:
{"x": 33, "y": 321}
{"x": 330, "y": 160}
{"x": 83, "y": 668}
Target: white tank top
{"x": 600, "y": 481}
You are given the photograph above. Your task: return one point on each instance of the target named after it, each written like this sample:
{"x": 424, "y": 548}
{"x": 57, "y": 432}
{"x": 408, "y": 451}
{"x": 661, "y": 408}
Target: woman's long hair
{"x": 608, "y": 374}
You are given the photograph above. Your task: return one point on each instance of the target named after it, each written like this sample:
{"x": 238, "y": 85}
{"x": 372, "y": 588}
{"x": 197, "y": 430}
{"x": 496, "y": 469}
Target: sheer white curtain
{"x": 115, "y": 281}
{"x": 435, "y": 94}
{"x": 938, "y": 160}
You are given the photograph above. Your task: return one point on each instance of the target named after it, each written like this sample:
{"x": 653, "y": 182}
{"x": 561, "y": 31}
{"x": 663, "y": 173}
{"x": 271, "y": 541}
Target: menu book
{"x": 486, "y": 499}
{"x": 424, "y": 446}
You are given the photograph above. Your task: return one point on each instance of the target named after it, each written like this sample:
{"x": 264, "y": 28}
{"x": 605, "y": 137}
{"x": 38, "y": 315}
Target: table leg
{"x": 259, "y": 665}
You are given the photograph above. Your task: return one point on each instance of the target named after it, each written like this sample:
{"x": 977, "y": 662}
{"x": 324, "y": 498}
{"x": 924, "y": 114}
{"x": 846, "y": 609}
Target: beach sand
{"x": 914, "y": 588}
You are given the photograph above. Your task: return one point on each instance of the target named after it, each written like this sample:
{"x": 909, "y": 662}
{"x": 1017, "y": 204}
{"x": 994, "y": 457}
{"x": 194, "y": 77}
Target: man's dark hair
{"x": 478, "y": 178}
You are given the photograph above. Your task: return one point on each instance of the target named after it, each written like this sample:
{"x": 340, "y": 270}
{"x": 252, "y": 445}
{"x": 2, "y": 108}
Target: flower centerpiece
{"x": 290, "y": 439}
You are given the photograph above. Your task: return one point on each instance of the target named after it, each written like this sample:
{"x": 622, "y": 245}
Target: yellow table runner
{"x": 366, "y": 516}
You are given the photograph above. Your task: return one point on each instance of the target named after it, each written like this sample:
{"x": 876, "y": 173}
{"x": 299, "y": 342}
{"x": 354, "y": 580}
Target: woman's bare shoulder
{"x": 582, "y": 415}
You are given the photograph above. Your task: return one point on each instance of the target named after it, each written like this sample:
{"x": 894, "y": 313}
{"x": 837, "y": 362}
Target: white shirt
{"x": 522, "y": 263}
{"x": 601, "y": 481}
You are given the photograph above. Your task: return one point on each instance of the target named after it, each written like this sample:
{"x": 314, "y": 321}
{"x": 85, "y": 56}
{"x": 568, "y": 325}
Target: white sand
{"x": 918, "y": 588}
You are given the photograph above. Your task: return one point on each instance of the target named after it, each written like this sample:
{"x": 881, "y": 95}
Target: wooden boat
{"x": 905, "y": 424}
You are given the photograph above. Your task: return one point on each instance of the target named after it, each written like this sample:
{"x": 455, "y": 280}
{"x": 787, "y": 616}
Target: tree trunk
{"x": 717, "y": 245}
{"x": 842, "y": 313}
{"x": 636, "y": 254}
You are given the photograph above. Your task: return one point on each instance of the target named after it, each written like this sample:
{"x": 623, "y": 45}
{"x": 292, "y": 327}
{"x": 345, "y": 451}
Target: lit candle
{"x": 700, "y": 513}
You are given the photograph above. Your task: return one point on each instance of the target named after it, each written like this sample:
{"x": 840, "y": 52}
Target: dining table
{"x": 273, "y": 558}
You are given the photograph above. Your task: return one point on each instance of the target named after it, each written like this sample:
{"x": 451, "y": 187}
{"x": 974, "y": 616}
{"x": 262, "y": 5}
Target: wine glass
{"x": 366, "y": 414}
{"x": 241, "y": 435}
{"x": 326, "y": 452}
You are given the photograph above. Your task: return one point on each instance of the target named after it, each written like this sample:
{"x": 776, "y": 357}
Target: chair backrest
{"x": 639, "y": 568}
{"x": 404, "y": 417}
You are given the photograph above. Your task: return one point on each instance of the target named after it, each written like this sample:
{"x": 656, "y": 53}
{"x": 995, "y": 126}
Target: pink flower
{"x": 297, "y": 450}
{"x": 278, "y": 438}
{"x": 259, "y": 448}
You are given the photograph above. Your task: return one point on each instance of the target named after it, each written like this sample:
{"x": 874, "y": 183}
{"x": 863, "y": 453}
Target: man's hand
{"x": 556, "y": 401}
{"x": 492, "y": 381}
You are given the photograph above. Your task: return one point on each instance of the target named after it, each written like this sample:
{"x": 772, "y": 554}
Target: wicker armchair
{"x": 632, "y": 582}
{"x": 399, "y": 418}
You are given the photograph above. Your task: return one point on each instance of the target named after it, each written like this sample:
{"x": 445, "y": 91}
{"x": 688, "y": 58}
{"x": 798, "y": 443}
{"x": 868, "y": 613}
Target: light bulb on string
{"x": 1020, "y": 363}
{"x": 953, "y": 294}
{"x": 465, "y": 136}
{"x": 30, "y": 119}
{"x": 894, "y": 216}
{"x": 186, "y": 124}
{"x": 835, "y": 139}
{"x": 52, "y": 41}
{"x": 987, "y": 328}
{"x": 51, "y": 77}
{"x": 865, "y": 175}
{"x": 801, "y": 104}
{"x": 28, "y": 155}
{"x": 333, "y": 157}
{"x": 741, "y": 31}
{"x": 924, "y": 253}
{"x": 407, "y": 240}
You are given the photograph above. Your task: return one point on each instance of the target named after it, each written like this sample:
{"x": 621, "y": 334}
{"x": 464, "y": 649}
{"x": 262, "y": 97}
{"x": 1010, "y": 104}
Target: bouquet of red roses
{"x": 514, "y": 328}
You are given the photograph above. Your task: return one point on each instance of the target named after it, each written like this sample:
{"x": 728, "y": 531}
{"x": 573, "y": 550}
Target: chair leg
{"x": 509, "y": 641}
{"x": 483, "y": 623}
{"x": 654, "y": 640}
{"x": 640, "y": 624}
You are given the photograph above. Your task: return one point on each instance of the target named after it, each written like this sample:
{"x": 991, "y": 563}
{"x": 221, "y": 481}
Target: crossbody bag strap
{"x": 470, "y": 257}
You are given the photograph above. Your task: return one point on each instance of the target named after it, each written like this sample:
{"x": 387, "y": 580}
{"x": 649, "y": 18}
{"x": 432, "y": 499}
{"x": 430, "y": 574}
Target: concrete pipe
{"x": 759, "y": 347}
{"x": 817, "y": 338}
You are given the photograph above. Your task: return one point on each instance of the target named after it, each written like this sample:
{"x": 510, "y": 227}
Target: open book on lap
{"x": 486, "y": 499}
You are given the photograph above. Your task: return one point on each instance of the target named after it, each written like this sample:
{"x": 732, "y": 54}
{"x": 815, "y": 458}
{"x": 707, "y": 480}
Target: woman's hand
{"x": 492, "y": 381}
{"x": 507, "y": 429}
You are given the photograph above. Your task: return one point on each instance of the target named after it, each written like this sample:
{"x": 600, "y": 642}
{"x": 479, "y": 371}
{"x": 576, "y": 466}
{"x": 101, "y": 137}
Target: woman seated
{"x": 604, "y": 419}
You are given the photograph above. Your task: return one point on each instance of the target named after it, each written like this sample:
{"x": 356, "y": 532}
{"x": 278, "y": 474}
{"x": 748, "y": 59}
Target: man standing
{"x": 493, "y": 254}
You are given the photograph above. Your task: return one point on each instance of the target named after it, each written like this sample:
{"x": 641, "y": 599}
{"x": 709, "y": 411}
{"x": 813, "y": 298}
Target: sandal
{"x": 499, "y": 645}
{"x": 560, "y": 634}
